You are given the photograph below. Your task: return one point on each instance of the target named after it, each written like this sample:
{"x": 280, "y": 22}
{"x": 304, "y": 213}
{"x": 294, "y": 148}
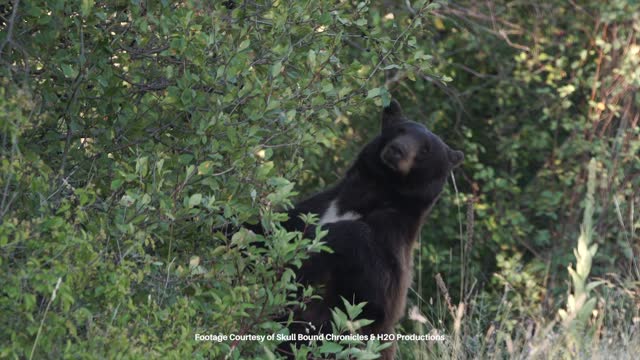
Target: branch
{"x": 11, "y": 22}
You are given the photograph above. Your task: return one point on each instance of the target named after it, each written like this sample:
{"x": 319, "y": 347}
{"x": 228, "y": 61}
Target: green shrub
{"x": 133, "y": 133}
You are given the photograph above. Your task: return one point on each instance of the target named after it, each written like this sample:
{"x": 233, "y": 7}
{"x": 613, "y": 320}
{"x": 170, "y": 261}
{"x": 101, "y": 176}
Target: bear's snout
{"x": 395, "y": 152}
{"x": 398, "y": 157}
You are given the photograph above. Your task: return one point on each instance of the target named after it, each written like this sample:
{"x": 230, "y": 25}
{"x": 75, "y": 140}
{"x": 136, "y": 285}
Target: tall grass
{"x": 594, "y": 323}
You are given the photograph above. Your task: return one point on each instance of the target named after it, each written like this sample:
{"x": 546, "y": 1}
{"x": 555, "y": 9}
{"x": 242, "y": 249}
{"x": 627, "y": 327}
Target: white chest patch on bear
{"x": 334, "y": 214}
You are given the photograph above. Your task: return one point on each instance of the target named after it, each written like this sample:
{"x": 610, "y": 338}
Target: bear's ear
{"x": 392, "y": 114}
{"x": 456, "y": 157}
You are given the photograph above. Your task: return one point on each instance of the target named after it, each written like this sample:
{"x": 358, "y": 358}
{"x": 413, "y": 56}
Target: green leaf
{"x": 194, "y": 200}
{"x": 276, "y": 69}
{"x": 330, "y": 347}
{"x": 353, "y": 310}
{"x": 205, "y": 168}
{"x": 311, "y": 59}
{"x": 86, "y": 6}
{"x": 116, "y": 184}
{"x": 68, "y": 71}
{"x": 244, "y": 44}
{"x": 374, "y": 92}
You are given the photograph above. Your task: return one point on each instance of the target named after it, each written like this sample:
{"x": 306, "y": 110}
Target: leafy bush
{"x": 135, "y": 134}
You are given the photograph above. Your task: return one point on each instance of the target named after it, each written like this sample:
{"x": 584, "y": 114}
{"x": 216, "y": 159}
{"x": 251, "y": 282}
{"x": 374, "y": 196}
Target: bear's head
{"x": 407, "y": 156}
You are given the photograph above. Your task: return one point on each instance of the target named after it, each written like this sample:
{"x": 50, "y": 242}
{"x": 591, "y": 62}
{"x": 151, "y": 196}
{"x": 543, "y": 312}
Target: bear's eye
{"x": 424, "y": 151}
{"x": 401, "y": 131}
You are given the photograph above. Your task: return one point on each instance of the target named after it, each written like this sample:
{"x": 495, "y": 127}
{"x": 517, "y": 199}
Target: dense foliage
{"x": 135, "y": 133}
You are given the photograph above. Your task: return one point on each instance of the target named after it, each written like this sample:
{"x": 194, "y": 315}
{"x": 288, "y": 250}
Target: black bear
{"x": 373, "y": 217}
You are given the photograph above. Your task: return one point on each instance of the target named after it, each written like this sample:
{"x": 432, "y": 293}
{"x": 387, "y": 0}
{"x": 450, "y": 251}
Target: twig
{"x": 166, "y": 282}
{"x": 77, "y": 82}
{"x": 53, "y": 297}
{"x": 10, "y": 24}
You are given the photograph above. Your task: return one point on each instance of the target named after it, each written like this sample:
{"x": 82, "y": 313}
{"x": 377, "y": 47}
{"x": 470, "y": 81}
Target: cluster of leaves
{"x": 134, "y": 133}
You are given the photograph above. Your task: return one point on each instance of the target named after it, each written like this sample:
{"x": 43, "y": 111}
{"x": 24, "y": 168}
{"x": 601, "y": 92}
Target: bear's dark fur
{"x": 373, "y": 217}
